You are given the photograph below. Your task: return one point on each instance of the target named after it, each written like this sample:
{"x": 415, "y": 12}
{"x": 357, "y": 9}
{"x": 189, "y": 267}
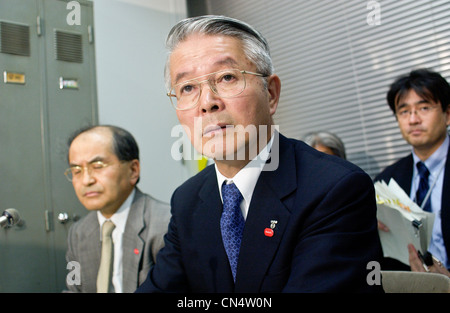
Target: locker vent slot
{"x": 68, "y": 47}
{"x": 14, "y": 39}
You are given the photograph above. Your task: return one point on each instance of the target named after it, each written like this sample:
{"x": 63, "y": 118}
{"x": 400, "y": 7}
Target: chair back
{"x": 414, "y": 282}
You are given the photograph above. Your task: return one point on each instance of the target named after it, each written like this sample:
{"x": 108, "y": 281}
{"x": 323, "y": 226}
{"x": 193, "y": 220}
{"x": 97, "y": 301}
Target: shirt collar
{"x": 120, "y": 217}
{"x": 245, "y": 180}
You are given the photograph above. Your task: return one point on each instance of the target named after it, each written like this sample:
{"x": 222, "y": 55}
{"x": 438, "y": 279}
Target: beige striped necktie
{"x": 106, "y": 262}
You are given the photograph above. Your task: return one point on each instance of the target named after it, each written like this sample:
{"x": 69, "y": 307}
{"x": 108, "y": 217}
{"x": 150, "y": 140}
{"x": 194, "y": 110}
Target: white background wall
{"x": 130, "y": 57}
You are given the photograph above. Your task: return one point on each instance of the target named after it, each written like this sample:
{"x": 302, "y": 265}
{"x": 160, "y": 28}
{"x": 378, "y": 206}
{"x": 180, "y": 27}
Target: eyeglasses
{"x": 226, "y": 84}
{"x": 421, "y": 111}
{"x": 76, "y": 171}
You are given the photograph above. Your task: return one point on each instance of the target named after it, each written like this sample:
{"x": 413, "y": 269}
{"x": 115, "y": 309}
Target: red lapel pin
{"x": 268, "y": 232}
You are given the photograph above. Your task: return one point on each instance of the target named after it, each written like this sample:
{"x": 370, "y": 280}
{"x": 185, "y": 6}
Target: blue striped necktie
{"x": 423, "y": 186}
{"x": 232, "y": 224}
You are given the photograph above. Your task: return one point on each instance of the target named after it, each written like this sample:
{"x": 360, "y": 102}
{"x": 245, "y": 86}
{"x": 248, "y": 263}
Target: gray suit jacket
{"x": 143, "y": 238}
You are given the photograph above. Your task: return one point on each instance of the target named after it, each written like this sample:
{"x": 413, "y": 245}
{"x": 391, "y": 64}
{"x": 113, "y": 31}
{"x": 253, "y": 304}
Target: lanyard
{"x": 432, "y": 185}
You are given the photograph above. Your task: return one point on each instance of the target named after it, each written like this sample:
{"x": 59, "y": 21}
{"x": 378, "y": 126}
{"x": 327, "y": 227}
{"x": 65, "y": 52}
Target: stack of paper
{"x": 406, "y": 221}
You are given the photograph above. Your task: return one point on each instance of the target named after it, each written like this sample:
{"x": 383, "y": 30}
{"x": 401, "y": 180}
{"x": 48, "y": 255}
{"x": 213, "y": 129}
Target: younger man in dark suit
{"x": 420, "y": 102}
{"x": 272, "y": 214}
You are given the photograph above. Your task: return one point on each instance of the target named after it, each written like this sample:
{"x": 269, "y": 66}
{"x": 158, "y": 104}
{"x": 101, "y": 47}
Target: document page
{"x": 406, "y": 221}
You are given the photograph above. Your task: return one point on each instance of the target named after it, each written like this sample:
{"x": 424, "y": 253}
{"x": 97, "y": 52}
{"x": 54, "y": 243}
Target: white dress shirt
{"x": 436, "y": 165}
{"x": 119, "y": 219}
{"x": 245, "y": 180}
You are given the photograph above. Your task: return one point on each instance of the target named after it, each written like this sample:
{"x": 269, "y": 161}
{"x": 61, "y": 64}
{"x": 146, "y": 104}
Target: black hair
{"x": 427, "y": 84}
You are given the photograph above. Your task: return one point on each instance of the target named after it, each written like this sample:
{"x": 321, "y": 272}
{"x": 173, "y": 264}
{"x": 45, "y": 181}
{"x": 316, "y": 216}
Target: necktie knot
{"x": 107, "y": 229}
{"x": 231, "y": 195}
{"x": 232, "y": 224}
{"x": 423, "y": 170}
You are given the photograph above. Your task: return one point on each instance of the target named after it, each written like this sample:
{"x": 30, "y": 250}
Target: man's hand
{"x": 417, "y": 266}
{"x": 382, "y": 227}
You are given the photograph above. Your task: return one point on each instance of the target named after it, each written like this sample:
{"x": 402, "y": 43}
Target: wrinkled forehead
{"x": 202, "y": 54}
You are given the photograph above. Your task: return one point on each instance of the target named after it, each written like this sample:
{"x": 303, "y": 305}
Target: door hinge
{"x": 48, "y": 220}
{"x": 90, "y": 34}
{"x": 38, "y": 26}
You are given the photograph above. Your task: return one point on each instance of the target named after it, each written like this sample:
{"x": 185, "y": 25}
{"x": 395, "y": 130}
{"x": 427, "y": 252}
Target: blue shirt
{"x": 436, "y": 165}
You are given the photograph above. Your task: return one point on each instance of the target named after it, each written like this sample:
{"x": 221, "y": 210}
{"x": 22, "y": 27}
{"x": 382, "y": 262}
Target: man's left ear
{"x": 135, "y": 171}
{"x": 274, "y": 89}
{"x": 447, "y": 113}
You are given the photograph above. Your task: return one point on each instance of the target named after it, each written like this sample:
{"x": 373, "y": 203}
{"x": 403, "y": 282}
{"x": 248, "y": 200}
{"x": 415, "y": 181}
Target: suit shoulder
{"x": 194, "y": 183}
{"x": 314, "y": 172}
{"x": 84, "y": 224}
{"x": 85, "y": 220}
{"x": 396, "y": 167}
{"x": 150, "y": 200}
{"x": 151, "y": 205}
{"x": 319, "y": 162}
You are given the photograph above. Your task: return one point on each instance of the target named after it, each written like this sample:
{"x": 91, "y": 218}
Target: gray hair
{"x": 255, "y": 45}
{"x": 326, "y": 139}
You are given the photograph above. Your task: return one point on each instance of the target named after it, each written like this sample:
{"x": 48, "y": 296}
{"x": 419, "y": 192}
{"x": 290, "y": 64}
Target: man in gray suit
{"x": 104, "y": 170}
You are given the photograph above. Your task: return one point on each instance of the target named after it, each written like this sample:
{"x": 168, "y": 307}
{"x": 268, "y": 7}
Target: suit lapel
{"x": 403, "y": 174}
{"x": 91, "y": 253}
{"x": 257, "y": 249}
{"x": 133, "y": 242}
{"x": 445, "y": 206}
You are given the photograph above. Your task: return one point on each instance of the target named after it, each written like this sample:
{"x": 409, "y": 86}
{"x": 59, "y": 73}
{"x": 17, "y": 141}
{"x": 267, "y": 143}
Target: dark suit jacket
{"x": 402, "y": 172}
{"x": 144, "y": 230}
{"x": 325, "y": 235}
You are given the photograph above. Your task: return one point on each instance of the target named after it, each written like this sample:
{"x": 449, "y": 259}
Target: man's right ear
{"x": 274, "y": 90}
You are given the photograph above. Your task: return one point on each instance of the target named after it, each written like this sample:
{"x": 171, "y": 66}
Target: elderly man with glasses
{"x": 272, "y": 214}
{"x": 116, "y": 243}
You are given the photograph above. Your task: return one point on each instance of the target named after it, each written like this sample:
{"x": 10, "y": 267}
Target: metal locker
{"x": 47, "y": 91}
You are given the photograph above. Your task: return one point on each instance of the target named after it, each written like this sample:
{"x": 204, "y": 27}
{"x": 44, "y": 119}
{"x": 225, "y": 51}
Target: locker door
{"x": 36, "y": 117}
{"x": 25, "y": 262}
{"x": 71, "y": 92}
